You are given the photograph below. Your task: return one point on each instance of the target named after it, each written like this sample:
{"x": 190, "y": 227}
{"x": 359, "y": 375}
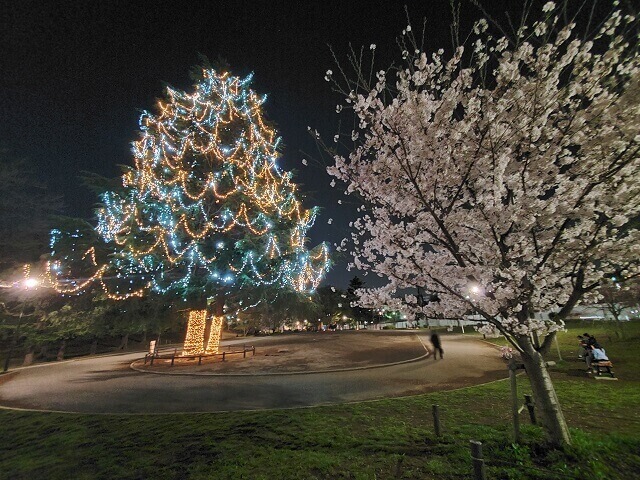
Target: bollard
{"x": 478, "y": 461}
{"x": 173, "y": 359}
{"x": 514, "y": 400}
{"x": 223, "y": 354}
{"x": 244, "y": 352}
{"x": 528, "y": 401}
{"x": 151, "y": 362}
{"x": 254, "y": 350}
{"x": 436, "y": 419}
{"x": 199, "y": 359}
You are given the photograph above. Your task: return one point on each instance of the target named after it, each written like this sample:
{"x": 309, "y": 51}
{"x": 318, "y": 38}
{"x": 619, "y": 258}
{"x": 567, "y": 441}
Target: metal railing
{"x": 175, "y": 356}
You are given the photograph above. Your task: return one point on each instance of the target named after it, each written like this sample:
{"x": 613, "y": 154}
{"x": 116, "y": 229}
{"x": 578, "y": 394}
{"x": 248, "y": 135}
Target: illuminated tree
{"x": 502, "y": 178}
{"x": 204, "y": 213}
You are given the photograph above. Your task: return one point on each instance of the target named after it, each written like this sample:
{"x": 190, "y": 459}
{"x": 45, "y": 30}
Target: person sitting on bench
{"x": 596, "y": 354}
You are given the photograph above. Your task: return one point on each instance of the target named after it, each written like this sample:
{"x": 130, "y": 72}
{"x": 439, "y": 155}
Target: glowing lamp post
{"x": 31, "y": 283}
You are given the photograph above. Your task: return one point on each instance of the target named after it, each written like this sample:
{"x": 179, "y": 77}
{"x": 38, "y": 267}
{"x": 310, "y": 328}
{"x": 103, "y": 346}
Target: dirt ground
{"x": 304, "y": 352}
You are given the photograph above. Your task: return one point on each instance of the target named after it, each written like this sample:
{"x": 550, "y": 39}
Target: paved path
{"x": 108, "y": 385}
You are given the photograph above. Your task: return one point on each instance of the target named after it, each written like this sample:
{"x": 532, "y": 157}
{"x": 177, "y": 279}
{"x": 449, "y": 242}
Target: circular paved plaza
{"x": 288, "y": 371}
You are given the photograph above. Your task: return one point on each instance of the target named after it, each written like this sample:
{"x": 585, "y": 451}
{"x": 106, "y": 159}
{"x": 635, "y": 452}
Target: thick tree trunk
{"x": 195, "y": 336}
{"x": 204, "y": 326}
{"x": 544, "y": 394}
{"x": 214, "y": 325}
{"x": 124, "y": 343}
{"x": 28, "y": 356}
{"x": 44, "y": 349}
{"x": 60, "y": 355}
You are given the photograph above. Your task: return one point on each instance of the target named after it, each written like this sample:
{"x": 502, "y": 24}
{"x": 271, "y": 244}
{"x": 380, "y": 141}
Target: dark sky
{"x": 75, "y": 75}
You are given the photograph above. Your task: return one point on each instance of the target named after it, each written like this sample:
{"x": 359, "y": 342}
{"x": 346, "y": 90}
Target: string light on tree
{"x": 203, "y": 212}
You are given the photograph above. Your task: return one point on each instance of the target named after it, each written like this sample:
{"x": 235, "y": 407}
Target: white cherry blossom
{"x": 513, "y": 169}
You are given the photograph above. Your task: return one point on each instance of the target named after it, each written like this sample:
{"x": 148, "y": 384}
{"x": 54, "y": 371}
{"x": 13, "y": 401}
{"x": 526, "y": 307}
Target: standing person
{"x": 437, "y": 347}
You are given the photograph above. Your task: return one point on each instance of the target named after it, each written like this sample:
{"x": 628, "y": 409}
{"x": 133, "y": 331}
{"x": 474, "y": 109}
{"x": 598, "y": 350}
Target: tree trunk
{"x": 544, "y": 394}
{"x": 63, "y": 345}
{"x": 124, "y": 343}
{"x": 94, "y": 347}
{"x": 214, "y": 325}
{"x": 44, "y": 349}
{"x": 28, "y": 356}
{"x": 194, "y": 339}
{"x": 204, "y": 326}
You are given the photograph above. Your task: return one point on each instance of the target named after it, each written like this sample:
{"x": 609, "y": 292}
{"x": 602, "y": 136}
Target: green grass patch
{"x": 384, "y": 439}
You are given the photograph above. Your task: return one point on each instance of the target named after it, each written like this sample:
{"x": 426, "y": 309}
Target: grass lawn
{"x": 371, "y": 440}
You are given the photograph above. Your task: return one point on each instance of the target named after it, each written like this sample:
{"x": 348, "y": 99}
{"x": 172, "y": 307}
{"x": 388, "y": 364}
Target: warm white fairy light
{"x": 205, "y": 208}
{"x": 213, "y": 343}
{"x": 195, "y": 332}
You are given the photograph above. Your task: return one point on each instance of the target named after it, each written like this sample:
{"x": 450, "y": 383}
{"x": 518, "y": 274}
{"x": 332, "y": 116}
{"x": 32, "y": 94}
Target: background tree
{"x": 205, "y": 213}
{"x": 501, "y": 177}
{"x": 358, "y": 312}
{"x": 24, "y": 303}
{"x": 620, "y": 297}
{"x": 332, "y": 304}
{"x": 26, "y": 207}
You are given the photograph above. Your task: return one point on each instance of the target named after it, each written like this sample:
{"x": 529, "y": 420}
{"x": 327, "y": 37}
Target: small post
{"x": 528, "y": 400}
{"x": 173, "y": 359}
{"x": 254, "y": 350}
{"x": 244, "y": 352}
{"x": 223, "y": 354}
{"x": 436, "y": 419}
{"x": 555, "y": 339}
{"x": 200, "y": 359}
{"x": 514, "y": 400}
{"x": 477, "y": 460}
{"x": 151, "y": 362}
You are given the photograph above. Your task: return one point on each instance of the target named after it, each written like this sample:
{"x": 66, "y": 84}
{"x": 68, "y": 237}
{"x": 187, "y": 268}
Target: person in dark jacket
{"x": 437, "y": 346}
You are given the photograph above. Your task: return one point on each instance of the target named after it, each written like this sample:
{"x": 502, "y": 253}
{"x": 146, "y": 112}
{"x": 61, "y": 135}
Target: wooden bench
{"x": 601, "y": 366}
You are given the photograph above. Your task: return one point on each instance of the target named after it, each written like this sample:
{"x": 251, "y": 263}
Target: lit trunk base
{"x": 195, "y": 342}
{"x": 213, "y": 343}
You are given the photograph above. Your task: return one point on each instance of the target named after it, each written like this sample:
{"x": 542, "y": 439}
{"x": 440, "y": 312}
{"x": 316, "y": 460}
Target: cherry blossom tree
{"x": 501, "y": 177}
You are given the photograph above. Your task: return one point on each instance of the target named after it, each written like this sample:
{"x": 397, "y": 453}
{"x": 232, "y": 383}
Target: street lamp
{"x": 30, "y": 283}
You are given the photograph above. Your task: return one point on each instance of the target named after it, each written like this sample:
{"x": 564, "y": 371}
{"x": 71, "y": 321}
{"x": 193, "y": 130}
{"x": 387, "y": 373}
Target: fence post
{"x": 528, "y": 400}
{"x": 477, "y": 460}
{"x": 555, "y": 338}
{"x": 244, "y": 352}
{"x": 436, "y": 419}
{"x": 514, "y": 400}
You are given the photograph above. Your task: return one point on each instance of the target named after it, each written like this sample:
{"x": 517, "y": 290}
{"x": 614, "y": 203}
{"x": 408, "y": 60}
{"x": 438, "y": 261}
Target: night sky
{"x": 74, "y": 77}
